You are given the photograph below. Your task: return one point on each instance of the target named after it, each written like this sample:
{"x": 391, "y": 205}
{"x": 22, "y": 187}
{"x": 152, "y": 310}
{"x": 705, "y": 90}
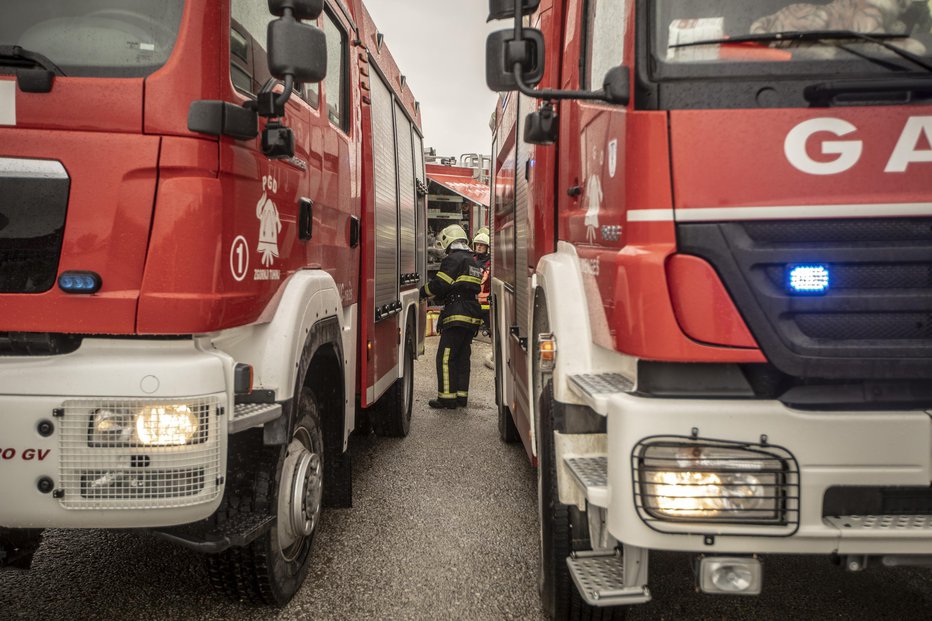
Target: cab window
{"x": 336, "y": 84}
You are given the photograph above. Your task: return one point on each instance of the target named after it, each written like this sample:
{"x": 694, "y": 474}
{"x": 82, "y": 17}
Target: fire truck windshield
{"x": 690, "y": 38}
{"x": 93, "y": 38}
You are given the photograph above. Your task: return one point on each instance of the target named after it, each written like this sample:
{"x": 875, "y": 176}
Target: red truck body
{"x": 274, "y": 272}
{"x": 651, "y": 247}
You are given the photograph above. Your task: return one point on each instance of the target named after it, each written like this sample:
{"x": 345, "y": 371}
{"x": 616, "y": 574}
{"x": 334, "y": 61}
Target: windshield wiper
{"x": 35, "y": 59}
{"x": 818, "y": 35}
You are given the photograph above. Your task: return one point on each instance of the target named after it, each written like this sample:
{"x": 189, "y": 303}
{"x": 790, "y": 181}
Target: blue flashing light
{"x": 808, "y": 279}
{"x": 79, "y": 282}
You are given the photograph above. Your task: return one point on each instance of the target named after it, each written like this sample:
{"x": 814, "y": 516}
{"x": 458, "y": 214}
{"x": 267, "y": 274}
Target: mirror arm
{"x": 550, "y": 94}
{"x": 285, "y": 95}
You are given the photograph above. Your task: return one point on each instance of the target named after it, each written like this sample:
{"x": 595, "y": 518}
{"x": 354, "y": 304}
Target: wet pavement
{"x": 444, "y": 525}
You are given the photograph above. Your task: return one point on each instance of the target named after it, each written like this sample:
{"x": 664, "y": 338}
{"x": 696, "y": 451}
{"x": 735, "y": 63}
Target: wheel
{"x": 393, "y": 416}
{"x": 287, "y": 482}
{"x": 563, "y": 528}
{"x": 507, "y": 430}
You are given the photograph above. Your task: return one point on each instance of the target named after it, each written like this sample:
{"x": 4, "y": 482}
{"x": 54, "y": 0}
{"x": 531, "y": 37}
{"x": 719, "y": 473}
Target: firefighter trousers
{"x": 453, "y": 355}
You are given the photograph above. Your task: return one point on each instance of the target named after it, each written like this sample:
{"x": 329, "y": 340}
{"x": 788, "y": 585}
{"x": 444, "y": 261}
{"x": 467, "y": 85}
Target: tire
{"x": 564, "y": 529}
{"x": 507, "y": 430}
{"x": 392, "y": 418}
{"x": 271, "y": 569}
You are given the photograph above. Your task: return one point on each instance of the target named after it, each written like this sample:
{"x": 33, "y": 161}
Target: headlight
{"x": 696, "y": 482}
{"x": 154, "y": 424}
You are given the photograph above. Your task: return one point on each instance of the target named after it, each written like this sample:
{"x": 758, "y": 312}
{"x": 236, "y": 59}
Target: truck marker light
{"x": 79, "y": 282}
{"x": 808, "y": 279}
{"x": 547, "y": 351}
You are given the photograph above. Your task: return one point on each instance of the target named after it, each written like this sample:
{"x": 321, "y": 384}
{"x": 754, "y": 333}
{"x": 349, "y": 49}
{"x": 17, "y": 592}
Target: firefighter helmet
{"x": 452, "y": 233}
{"x": 481, "y": 239}
{"x": 483, "y": 231}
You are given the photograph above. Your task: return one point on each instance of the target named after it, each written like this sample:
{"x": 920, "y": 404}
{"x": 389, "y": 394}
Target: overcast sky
{"x": 440, "y": 47}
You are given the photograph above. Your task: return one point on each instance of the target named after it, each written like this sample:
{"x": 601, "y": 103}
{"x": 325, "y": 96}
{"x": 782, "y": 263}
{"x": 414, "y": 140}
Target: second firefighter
{"x": 456, "y": 286}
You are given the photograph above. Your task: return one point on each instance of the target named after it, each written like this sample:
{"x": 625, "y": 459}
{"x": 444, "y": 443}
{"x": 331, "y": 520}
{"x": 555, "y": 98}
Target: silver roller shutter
{"x": 407, "y": 193}
{"x": 386, "y": 194}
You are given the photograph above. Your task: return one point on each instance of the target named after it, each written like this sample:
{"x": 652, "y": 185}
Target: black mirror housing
{"x": 502, "y": 52}
{"x": 617, "y": 86}
{"x": 300, "y": 9}
{"x": 542, "y": 126}
{"x": 505, "y": 9}
{"x": 297, "y": 50}
{"x": 277, "y": 141}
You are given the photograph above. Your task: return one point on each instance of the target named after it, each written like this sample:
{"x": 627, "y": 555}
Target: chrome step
{"x": 600, "y": 579}
{"x": 249, "y": 415}
{"x": 591, "y": 475}
{"x": 597, "y": 388}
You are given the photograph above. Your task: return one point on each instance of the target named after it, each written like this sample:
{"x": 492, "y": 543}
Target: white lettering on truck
{"x": 907, "y": 151}
{"x": 848, "y": 151}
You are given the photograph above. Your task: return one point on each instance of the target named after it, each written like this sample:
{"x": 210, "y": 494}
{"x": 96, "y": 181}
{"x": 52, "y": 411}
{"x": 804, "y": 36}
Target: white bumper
{"x": 110, "y": 487}
{"x": 830, "y": 448}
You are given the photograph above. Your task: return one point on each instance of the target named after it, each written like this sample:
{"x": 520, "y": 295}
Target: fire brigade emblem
{"x": 270, "y": 225}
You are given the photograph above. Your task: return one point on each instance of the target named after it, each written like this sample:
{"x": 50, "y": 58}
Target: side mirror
{"x": 617, "y": 86}
{"x": 296, "y": 51}
{"x": 542, "y": 126}
{"x": 505, "y": 9}
{"x": 300, "y": 9}
{"x": 502, "y": 52}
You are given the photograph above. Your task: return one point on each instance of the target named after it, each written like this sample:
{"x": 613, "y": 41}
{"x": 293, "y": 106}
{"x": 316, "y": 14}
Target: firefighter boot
{"x": 442, "y": 404}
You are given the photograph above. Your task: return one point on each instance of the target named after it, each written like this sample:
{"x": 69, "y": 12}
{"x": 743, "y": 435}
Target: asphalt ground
{"x": 444, "y": 526}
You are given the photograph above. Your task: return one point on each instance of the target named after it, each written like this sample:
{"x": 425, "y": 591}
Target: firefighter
{"x": 455, "y": 286}
{"x": 482, "y": 244}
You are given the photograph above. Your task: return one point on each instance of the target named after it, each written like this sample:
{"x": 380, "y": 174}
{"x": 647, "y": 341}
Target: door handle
{"x": 574, "y": 191}
{"x": 305, "y": 219}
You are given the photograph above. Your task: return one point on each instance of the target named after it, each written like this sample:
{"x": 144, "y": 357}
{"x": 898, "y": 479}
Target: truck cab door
{"x": 592, "y": 133}
{"x": 591, "y": 190}
{"x": 263, "y": 197}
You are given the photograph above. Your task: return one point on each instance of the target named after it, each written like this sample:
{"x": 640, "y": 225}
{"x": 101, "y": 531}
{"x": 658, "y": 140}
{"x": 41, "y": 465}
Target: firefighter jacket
{"x": 485, "y": 264}
{"x": 456, "y": 286}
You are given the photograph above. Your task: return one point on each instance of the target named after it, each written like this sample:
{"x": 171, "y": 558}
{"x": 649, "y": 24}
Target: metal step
{"x": 236, "y": 532}
{"x": 591, "y": 475}
{"x": 249, "y": 415}
{"x": 597, "y": 388}
{"x": 600, "y": 579}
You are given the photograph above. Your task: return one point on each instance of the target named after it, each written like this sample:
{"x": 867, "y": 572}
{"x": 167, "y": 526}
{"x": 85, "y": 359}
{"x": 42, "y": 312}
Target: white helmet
{"x": 452, "y": 233}
{"x": 481, "y": 239}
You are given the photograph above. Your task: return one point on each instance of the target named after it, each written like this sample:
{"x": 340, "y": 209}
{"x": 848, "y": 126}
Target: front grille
{"x": 875, "y": 321}
{"x": 33, "y": 202}
{"x": 123, "y": 473}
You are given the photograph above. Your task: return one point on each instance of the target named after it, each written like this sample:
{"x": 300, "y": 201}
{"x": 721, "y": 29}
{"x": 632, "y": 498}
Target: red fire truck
{"x": 211, "y": 239}
{"x": 711, "y": 278}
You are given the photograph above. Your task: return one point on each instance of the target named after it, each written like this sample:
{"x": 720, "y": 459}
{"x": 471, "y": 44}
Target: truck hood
{"x": 76, "y": 198}
{"x": 790, "y": 164}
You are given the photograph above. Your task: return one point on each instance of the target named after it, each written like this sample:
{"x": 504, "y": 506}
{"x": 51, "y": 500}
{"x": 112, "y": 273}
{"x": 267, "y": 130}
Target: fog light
{"x": 730, "y": 575}
{"x": 168, "y": 425}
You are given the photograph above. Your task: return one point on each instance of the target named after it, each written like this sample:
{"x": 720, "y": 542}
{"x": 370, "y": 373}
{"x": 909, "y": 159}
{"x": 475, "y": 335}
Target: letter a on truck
{"x": 212, "y": 224}
{"x": 712, "y": 302}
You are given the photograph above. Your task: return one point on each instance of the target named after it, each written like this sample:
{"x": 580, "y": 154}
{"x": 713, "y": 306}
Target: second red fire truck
{"x": 711, "y": 283}
{"x": 212, "y": 225}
